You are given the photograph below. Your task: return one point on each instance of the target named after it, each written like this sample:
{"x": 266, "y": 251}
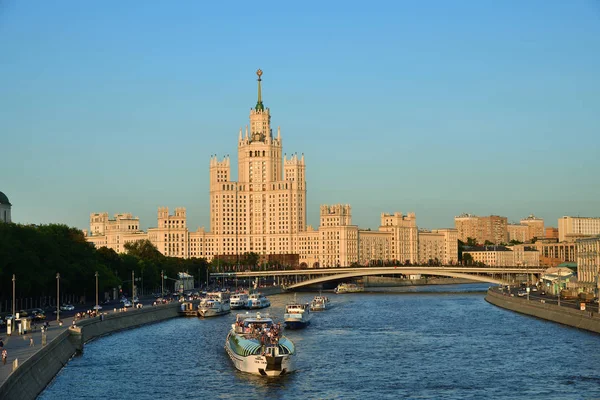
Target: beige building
{"x": 519, "y": 233}
{"x": 573, "y": 228}
{"x": 588, "y": 262}
{"x": 114, "y": 233}
{"x": 404, "y": 244}
{"x": 535, "y": 227}
{"x": 501, "y": 256}
{"x": 492, "y": 228}
{"x": 264, "y": 211}
{"x": 553, "y": 253}
{"x": 438, "y": 245}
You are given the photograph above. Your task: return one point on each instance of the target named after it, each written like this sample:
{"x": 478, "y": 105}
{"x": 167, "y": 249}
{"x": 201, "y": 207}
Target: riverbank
{"x": 587, "y": 320}
{"x": 39, "y": 365}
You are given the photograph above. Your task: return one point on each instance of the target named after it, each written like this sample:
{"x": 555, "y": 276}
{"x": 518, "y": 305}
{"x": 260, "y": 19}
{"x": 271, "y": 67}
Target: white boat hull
{"x": 261, "y": 365}
{"x": 209, "y": 312}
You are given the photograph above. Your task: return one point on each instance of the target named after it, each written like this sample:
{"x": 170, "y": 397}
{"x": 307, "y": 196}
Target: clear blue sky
{"x": 433, "y": 107}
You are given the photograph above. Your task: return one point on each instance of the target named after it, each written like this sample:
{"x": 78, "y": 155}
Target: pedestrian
{"x": 31, "y": 341}
{"x": 4, "y": 356}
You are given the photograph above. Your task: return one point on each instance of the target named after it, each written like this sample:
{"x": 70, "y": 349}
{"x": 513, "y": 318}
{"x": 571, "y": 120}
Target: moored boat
{"x": 238, "y": 301}
{"x": 349, "y": 288}
{"x": 319, "y": 303}
{"x": 257, "y": 300}
{"x": 186, "y": 309}
{"x": 296, "y": 315}
{"x": 215, "y": 304}
{"x": 255, "y": 345}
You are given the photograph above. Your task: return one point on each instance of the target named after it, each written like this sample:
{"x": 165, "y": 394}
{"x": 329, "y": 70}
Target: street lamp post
{"x": 96, "y": 290}
{"x": 57, "y": 297}
{"x": 162, "y": 283}
{"x": 13, "y": 303}
{"x": 132, "y": 287}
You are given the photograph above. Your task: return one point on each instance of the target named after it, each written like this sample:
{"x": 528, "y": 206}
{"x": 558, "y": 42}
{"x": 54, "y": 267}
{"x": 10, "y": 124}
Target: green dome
{"x": 4, "y": 199}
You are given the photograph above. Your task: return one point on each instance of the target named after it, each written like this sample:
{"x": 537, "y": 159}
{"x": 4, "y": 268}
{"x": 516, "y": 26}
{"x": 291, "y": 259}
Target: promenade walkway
{"x": 18, "y": 346}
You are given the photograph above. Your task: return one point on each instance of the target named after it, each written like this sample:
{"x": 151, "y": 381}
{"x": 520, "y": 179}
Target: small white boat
{"x": 238, "y": 301}
{"x": 214, "y": 304}
{"x": 296, "y": 315}
{"x": 349, "y": 288}
{"x": 255, "y": 345}
{"x": 257, "y": 300}
{"x": 319, "y": 303}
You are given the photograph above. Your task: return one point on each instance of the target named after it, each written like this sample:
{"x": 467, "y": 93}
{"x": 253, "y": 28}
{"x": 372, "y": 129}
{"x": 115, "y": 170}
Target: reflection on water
{"x": 437, "y": 345}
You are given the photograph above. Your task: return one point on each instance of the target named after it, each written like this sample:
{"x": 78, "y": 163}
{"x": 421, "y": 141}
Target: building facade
{"x": 491, "y": 229}
{"x": 438, "y": 246}
{"x": 535, "y": 227}
{"x": 573, "y": 228}
{"x": 588, "y": 263}
{"x": 501, "y": 256}
{"x": 520, "y": 233}
{"x": 5, "y": 208}
{"x": 553, "y": 253}
{"x": 264, "y": 212}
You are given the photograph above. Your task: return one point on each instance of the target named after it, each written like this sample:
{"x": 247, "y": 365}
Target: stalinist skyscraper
{"x": 265, "y": 210}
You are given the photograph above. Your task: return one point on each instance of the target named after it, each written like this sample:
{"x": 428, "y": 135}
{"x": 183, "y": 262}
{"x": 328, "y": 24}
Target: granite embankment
{"x": 389, "y": 281}
{"x": 35, "y": 373}
{"x": 587, "y": 320}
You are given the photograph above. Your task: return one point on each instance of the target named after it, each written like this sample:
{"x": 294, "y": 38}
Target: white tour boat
{"x": 257, "y": 300}
{"x": 349, "y": 288}
{"x": 319, "y": 303}
{"x": 214, "y": 304}
{"x": 238, "y": 301}
{"x": 296, "y": 315}
{"x": 255, "y": 345}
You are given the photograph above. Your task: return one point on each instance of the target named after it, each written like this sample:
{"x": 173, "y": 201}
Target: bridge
{"x": 306, "y": 277}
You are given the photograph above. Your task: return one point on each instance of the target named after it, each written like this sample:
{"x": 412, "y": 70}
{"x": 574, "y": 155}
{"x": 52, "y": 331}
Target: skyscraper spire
{"x": 259, "y": 103}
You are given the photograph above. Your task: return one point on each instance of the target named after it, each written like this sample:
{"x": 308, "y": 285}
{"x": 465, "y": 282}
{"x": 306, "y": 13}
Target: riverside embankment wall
{"x": 31, "y": 377}
{"x": 587, "y": 320}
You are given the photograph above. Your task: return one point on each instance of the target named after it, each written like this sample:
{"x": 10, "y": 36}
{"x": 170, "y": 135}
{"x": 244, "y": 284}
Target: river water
{"x": 442, "y": 342}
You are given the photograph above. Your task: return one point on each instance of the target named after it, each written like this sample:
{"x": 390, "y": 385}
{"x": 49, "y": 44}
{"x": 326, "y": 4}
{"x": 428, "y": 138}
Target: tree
{"x": 488, "y": 243}
{"x": 471, "y": 241}
{"x": 467, "y": 259}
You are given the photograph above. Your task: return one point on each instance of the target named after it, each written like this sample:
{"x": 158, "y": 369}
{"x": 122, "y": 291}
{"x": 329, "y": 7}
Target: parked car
{"x": 67, "y": 307}
{"x": 521, "y": 293}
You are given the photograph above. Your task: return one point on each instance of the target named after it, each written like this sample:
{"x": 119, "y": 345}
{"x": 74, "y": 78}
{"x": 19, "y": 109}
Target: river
{"x": 434, "y": 342}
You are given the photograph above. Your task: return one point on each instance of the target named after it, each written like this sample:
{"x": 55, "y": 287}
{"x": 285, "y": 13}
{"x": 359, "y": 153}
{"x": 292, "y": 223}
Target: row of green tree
{"x": 35, "y": 254}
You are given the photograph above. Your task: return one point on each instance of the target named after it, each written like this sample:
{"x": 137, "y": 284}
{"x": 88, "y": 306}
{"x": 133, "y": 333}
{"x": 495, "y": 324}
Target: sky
{"x": 432, "y": 107}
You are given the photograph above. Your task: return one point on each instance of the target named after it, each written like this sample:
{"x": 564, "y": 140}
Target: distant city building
{"x": 492, "y": 228}
{"x": 551, "y": 233}
{"x": 528, "y": 229}
{"x": 553, "y": 253}
{"x": 264, "y": 212}
{"x": 573, "y": 228}
{"x": 535, "y": 227}
{"x": 114, "y": 233}
{"x": 5, "y": 208}
{"x": 588, "y": 262}
{"x": 438, "y": 245}
{"x": 520, "y": 233}
{"x": 502, "y": 256}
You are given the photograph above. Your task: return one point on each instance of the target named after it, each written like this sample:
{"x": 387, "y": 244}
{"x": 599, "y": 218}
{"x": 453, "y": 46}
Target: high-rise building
{"x": 264, "y": 212}
{"x": 573, "y": 228}
{"x": 491, "y": 229}
{"x": 439, "y": 245}
{"x": 535, "y": 227}
{"x": 520, "y": 233}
